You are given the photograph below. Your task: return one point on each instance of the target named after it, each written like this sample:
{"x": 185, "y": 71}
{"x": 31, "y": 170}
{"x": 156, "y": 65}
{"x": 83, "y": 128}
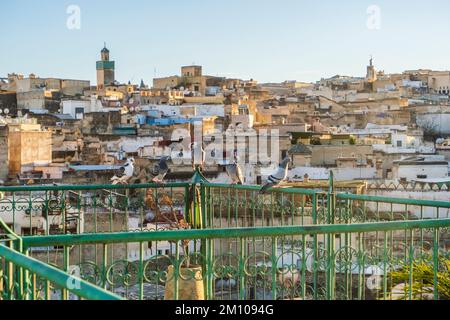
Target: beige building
{"x": 301, "y": 155}
{"x": 328, "y": 155}
{"x": 4, "y": 161}
{"x": 191, "y": 79}
{"x": 166, "y": 82}
{"x": 439, "y": 82}
{"x": 28, "y": 144}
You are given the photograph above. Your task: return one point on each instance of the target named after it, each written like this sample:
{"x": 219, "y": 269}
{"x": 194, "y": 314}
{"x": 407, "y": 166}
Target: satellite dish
{"x": 6, "y": 111}
{"x": 1, "y": 111}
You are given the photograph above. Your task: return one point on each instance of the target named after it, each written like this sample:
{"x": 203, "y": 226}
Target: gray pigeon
{"x": 160, "y": 170}
{"x": 278, "y": 177}
{"x": 234, "y": 171}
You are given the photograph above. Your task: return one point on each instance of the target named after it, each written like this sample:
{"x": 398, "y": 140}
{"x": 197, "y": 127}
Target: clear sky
{"x": 268, "y": 40}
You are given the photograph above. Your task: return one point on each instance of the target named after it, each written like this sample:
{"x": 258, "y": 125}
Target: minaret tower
{"x": 371, "y": 72}
{"x": 105, "y": 70}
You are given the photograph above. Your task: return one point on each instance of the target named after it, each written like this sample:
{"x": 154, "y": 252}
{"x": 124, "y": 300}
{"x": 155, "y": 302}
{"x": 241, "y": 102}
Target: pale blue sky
{"x": 260, "y": 39}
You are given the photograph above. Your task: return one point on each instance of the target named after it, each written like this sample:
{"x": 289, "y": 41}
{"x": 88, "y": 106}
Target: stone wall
{"x": 327, "y": 155}
{"x": 4, "y": 163}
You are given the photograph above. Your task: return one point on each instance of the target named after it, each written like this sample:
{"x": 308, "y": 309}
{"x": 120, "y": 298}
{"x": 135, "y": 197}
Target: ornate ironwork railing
{"x": 25, "y": 278}
{"x": 266, "y": 263}
{"x": 288, "y": 244}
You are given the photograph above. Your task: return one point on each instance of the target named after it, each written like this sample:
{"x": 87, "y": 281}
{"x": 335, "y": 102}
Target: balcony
{"x": 219, "y": 242}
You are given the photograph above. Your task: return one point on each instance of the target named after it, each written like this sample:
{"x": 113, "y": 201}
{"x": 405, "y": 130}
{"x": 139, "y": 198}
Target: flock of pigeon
{"x": 159, "y": 172}
{"x": 234, "y": 171}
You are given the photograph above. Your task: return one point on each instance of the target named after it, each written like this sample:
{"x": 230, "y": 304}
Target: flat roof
{"x": 95, "y": 167}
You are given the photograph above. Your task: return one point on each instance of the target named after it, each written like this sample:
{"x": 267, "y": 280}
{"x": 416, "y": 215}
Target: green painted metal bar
{"x": 258, "y": 188}
{"x": 124, "y": 237}
{"x": 10, "y": 233}
{"x": 92, "y": 187}
{"x": 60, "y": 278}
{"x": 414, "y": 202}
{"x": 435, "y": 264}
{"x": 274, "y": 269}
{"x": 431, "y": 203}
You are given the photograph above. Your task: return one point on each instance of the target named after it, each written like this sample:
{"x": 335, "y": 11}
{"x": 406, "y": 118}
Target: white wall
{"x": 340, "y": 174}
{"x": 441, "y": 121}
{"x": 200, "y": 110}
{"x": 207, "y": 110}
{"x": 411, "y": 172}
{"x": 428, "y": 212}
{"x": 70, "y": 106}
{"x": 346, "y": 174}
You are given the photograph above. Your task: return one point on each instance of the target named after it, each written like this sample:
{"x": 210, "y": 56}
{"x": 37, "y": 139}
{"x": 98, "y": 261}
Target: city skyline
{"x": 231, "y": 40}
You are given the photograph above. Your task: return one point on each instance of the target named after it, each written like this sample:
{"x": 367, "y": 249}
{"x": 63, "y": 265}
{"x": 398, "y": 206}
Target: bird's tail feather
{"x": 265, "y": 188}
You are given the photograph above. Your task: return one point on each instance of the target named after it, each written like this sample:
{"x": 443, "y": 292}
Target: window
{"x": 29, "y": 232}
{"x": 399, "y": 144}
{"x": 422, "y": 176}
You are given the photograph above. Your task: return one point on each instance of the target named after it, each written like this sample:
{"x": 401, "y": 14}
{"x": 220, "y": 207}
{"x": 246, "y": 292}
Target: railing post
{"x": 274, "y": 267}
{"x": 199, "y": 217}
{"x": 435, "y": 263}
{"x": 315, "y": 263}
{"x": 66, "y": 253}
{"x": 331, "y": 268}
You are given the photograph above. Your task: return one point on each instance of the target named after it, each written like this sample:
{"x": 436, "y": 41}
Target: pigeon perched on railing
{"x": 127, "y": 173}
{"x": 198, "y": 155}
{"x": 160, "y": 170}
{"x": 278, "y": 177}
{"x": 234, "y": 171}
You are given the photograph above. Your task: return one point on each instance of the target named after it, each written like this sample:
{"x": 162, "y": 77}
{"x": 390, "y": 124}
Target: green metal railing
{"x": 241, "y": 273}
{"x": 288, "y": 244}
{"x": 25, "y": 273}
{"x": 20, "y": 274}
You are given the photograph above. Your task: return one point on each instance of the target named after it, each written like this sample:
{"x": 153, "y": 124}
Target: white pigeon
{"x": 128, "y": 171}
{"x": 278, "y": 177}
{"x": 234, "y": 171}
{"x": 198, "y": 155}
